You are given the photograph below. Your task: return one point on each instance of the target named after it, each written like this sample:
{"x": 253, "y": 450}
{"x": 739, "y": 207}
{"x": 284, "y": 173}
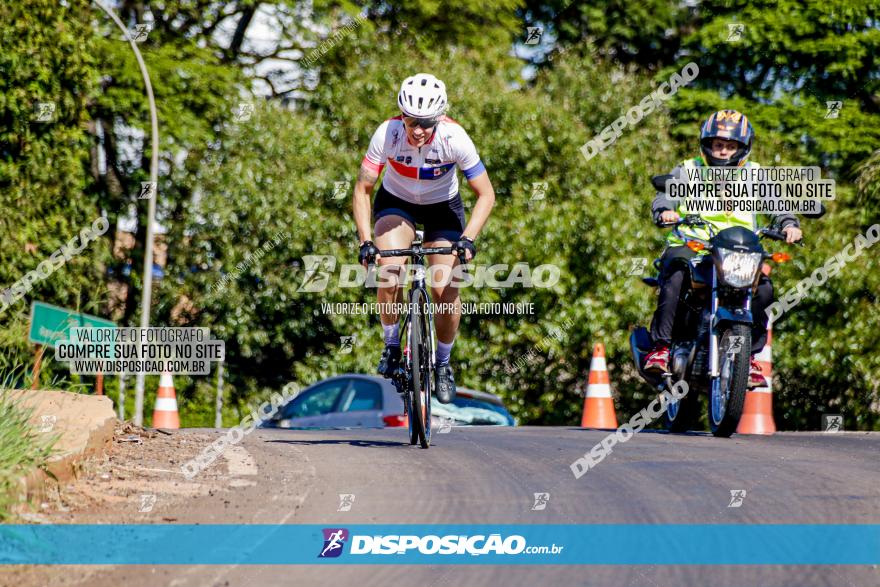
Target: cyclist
{"x": 725, "y": 140}
{"x": 422, "y": 147}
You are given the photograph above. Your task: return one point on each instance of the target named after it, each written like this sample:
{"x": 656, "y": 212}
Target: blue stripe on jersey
{"x": 435, "y": 172}
{"x": 474, "y": 171}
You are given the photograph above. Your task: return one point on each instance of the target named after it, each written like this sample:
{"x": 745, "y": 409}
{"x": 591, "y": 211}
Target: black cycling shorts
{"x": 440, "y": 221}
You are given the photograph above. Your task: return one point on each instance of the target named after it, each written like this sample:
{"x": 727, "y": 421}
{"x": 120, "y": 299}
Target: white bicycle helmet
{"x": 422, "y": 96}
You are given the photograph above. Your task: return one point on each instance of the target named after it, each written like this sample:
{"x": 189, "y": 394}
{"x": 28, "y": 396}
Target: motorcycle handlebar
{"x": 687, "y": 220}
{"x": 774, "y": 234}
{"x": 778, "y": 235}
{"x": 697, "y": 221}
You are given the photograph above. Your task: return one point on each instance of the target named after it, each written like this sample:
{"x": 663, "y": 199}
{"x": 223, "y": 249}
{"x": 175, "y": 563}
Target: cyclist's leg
{"x": 392, "y": 232}
{"x": 444, "y": 226}
{"x": 444, "y": 292}
{"x": 394, "y": 229}
{"x": 447, "y": 315}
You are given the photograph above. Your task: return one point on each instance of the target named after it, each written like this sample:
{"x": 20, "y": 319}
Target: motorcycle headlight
{"x": 739, "y": 269}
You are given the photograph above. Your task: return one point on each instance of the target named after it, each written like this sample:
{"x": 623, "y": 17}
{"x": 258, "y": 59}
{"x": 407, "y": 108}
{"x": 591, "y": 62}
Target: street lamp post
{"x": 151, "y": 207}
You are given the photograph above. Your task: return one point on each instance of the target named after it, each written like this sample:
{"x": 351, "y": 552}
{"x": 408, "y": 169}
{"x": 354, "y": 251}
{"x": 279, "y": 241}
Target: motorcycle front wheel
{"x": 727, "y": 392}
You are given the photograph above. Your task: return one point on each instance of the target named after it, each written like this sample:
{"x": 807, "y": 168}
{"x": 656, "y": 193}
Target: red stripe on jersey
{"x": 404, "y": 170}
{"x": 377, "y": 167}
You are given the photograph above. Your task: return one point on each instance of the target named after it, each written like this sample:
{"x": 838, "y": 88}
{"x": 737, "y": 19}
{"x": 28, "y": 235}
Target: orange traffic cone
{"x": 165, "y": 412}
{"x": 757, "y": 415}
{"x": 598, "y": 405}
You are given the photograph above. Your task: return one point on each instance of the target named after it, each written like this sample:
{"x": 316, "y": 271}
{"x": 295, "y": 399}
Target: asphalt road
{"x": 490, "y": 475}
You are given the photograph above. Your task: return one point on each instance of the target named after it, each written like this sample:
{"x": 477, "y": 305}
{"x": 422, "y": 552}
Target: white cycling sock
{"x": 392, "y": 334}
{"x": 443, "y": 352}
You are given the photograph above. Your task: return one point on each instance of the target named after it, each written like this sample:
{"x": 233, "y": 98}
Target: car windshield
{"x": 316, "y": 401}
{"x": 476, "y": 412}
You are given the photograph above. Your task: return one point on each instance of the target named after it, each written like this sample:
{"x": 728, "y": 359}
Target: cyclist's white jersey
{"x": 426, "y": 174}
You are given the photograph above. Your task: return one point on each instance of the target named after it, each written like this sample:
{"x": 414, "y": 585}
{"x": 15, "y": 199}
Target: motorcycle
{"x": 711, "y": 346}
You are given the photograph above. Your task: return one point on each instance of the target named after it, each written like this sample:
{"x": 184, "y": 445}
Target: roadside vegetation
{"x": 22, "y": 448}
{"x": 232, "y": 178}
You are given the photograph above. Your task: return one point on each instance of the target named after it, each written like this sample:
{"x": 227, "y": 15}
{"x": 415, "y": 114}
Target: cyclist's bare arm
{"x": 363, "y": 190}
{"x": 482, "y": 186}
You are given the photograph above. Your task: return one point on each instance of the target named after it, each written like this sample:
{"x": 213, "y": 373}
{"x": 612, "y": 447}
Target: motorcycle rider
{"x": 726, "y": 139}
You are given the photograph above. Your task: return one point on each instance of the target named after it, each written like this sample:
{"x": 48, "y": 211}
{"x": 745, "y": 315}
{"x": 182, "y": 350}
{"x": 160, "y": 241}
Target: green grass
{"x": 22, "y": 448}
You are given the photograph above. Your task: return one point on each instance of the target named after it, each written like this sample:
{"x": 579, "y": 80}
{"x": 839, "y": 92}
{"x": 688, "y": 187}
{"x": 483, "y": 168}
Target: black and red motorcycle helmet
{"x": 731, "y": 125}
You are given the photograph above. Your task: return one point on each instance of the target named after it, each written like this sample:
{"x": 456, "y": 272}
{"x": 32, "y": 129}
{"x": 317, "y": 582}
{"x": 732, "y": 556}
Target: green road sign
{"x": 50, "y": 324}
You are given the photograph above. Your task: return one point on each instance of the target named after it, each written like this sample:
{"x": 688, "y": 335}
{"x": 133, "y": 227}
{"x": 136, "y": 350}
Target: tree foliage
{"x": 246, "y": 197}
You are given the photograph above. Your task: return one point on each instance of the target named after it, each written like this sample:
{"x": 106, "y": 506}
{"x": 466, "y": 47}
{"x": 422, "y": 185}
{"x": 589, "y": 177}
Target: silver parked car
{"x": 370, "y": 401}
{"x": 344, "y": 401}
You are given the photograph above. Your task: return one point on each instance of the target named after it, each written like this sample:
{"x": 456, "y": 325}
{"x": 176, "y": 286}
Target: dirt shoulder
{"x": 137, "y": 480}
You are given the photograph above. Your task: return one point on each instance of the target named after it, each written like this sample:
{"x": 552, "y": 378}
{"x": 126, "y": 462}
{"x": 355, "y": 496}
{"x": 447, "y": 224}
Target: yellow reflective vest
{"x": 718, "y": 220}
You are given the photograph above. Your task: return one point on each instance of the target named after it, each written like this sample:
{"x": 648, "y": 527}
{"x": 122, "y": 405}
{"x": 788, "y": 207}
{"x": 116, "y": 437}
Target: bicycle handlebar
{"x": 412, "y": 252}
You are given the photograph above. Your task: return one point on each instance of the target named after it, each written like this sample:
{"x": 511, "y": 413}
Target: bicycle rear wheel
{"x": 408, "y": 406}
{"x": 422, "y": 366}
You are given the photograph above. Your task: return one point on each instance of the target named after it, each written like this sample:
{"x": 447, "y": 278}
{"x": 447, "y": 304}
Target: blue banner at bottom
{"x": 601, "y": 544}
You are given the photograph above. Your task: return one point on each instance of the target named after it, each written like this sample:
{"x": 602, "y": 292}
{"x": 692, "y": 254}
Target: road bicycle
{"x": 414, "y": 378}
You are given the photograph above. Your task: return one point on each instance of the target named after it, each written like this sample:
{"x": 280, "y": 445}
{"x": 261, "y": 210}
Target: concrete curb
{"x": 85, "y": 424}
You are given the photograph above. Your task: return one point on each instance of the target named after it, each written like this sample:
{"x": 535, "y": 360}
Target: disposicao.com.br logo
{"x": 431, "y": 544}
{"x": 334, "y": 540}
{"x": 320, "y": 273}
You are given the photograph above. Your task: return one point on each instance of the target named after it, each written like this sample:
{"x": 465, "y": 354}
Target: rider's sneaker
{"x": 445, "y": 384}
{"x": 756, "y": 377}
{"x": 390, "y": 361}
{"x": 658, "y": 359}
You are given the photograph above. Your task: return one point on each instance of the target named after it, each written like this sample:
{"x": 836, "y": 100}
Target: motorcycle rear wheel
{"x": 680, "y": 415}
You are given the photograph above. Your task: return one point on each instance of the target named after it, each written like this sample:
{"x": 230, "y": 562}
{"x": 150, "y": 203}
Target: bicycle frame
{"x": 417, "y": 254}
{"x": 404, "y": 378}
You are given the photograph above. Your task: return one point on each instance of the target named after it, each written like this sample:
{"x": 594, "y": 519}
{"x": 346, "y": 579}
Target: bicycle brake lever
{"x": 463, "y": 261}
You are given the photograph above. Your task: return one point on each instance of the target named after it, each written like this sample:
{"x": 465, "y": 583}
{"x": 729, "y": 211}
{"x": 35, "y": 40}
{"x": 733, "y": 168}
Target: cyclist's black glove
{"x": 367, "y": 253}
{"x": 465, "y": 244}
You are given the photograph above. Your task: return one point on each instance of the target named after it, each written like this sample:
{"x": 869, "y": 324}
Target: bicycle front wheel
{"x": 422, "y": 365}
